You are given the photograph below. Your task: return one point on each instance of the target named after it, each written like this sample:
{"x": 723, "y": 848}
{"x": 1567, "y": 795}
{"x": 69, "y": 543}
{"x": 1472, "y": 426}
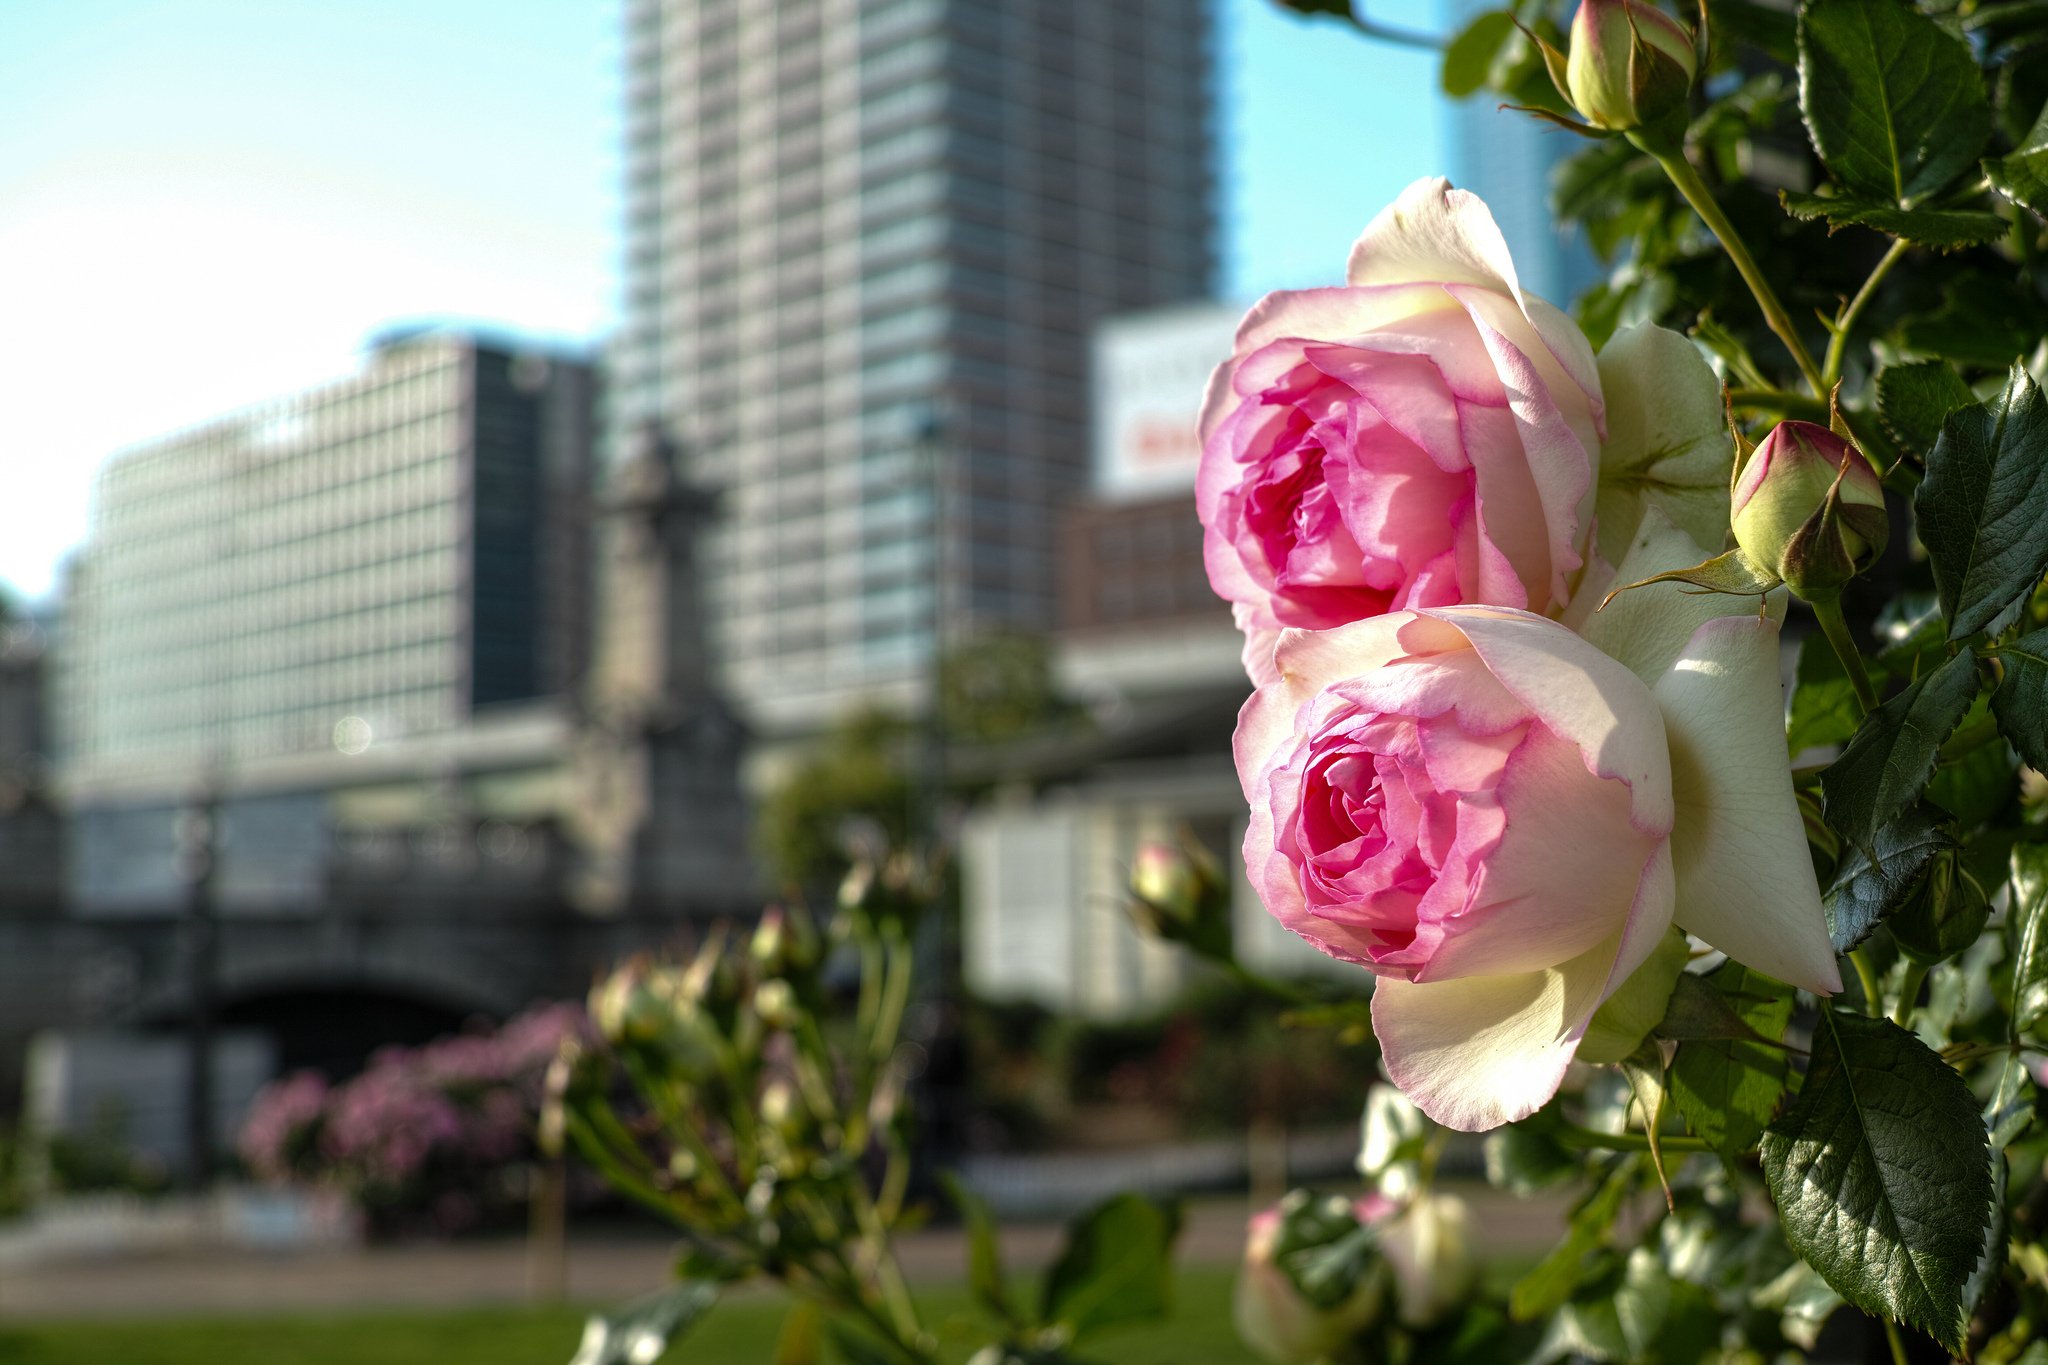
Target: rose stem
{"x": 1702, "y": 200}
{"x": 1867, "y": 976}
{"x": 1831, "y": 368}
{"x": 1828, "y": 612}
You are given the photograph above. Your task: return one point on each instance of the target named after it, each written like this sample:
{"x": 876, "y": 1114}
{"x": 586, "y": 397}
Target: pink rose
{"x": 1422, "y": 437}
{"x": 1494, "y": 817}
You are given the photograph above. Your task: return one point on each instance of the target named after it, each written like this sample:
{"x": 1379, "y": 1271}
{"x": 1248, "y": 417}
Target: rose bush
{"x": 1502, "y": 822}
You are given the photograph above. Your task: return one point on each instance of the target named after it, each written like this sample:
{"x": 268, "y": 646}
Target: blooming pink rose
{"x": 1478, "y": 805}
{"x": 1422, "y": 437}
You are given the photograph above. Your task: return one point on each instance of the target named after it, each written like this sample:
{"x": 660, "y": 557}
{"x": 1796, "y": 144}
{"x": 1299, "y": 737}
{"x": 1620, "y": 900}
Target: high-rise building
{"x": 355, "y": 563}
{"x": 867, "y": 241}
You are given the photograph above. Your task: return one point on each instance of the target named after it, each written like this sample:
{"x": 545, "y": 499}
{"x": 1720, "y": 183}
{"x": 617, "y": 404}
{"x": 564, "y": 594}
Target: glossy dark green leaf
{"x": 1977, "y": 786}
{"x": 2022, "y": 175}
{"x": 1984, "y": 502}
{"x": 644, "y": 1329}
{"x": 1117, "y": 1265}
{"x": 1558, "y": 1275}
{"x": 2021, "y": 701}
{"x": 1864, "y": 890}
{"x": 1823, "y": 710}
{"x": 1914, "y": 400}
{"x": 1942, "y": 229}
{"x": 1888, "y": 763}
{"x": 1728, "y": 1088}
{"x": 1468, "y": 61}
{"x": 1881, "y": 1174}
{"x": 2028, "y": 924}
{"x": 1893, "y": 101}
{"x": 984, "y": 1256}
{"x": 1981, "y": 320}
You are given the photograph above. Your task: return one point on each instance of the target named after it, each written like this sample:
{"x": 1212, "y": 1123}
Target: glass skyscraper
{"x": 867, "y": 241}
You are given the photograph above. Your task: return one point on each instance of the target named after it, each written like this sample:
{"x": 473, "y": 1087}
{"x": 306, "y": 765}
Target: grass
{"x": 741, "y": 1332}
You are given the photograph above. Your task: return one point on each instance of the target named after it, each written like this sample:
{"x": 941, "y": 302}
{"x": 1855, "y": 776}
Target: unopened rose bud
{"x": 624, "y": 1007}
{"x": 784, "y": 941}
{"x": 1808, "y": 508}
{"x": 1944, "y": 916}
{"x": 1428, "y": 1246}
{"x": 1292, "y": 1308}
{"x": 778, "y": 1107}
{"x": 775, "y": 1001}
{"x": 1630, "y": 64}
{"x": 1178, "y": 893}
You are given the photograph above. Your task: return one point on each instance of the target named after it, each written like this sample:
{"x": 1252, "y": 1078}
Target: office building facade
{"x": 867, "y": 241}
{"x": 354, "y": 564}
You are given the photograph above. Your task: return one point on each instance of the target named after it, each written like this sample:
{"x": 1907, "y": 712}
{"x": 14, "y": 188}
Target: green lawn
{"x": 741, "y": 1332}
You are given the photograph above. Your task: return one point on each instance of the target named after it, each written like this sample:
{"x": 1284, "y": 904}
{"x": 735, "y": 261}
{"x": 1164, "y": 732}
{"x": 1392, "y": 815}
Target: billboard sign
{"x": 1150, "y": 370}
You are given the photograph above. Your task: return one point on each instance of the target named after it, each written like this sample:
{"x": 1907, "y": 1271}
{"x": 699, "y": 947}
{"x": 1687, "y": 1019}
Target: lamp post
{"x": 198, "y": 844}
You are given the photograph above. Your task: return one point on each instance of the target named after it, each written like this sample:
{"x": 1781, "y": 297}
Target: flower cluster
{"x": 428, "y": 1131}
{"x": 1416, "y": 490}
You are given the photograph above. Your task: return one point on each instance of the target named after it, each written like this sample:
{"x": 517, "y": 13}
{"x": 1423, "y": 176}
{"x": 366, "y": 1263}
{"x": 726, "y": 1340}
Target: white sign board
{"x": 1150, "y": 370}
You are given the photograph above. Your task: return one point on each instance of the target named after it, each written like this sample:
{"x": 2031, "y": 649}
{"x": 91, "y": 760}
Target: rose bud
{"x": 1178, "y": 893}
{"x": 654, "y": 1008}
{"x": 1312, "y": 1277}
{"x": 784, "y": 941}
{"x": 1428, "y": 1246}
{"x": 1809, "y": 509}
{"x": 776, "y": 1004}
{"x": 1630, "y": 64}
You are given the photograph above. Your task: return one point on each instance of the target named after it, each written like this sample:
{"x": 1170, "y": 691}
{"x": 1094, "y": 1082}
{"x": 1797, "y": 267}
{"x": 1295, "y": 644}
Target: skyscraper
{"x": 353, "y": 563}
{"x": 866, "y": 243}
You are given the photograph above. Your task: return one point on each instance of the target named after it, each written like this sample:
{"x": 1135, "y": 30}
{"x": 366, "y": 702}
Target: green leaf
{"x": 1888, "y": 764}
{"x": 1942, "y": 229}
{"x": 2021, "y": 701}
{"x": 856, "y": 1349}
{"x": 1893, "y": 101}
{"x": 1977, "y": 786}
{"x": 1981, "y": 321}
{"x": 1823, "y": 710}
{"x": 1728, "y": 1087}
{"x": 802, "y": 1340}
{"x": 1557, "y": 1275}
{"x": 1864, "y": 891}
{"x": 1882, "y": 1175}
{"x": 984, "y": 1256}
{"x": 1984, "y": 502}
{"x": 1914, "y": 400}
{"x": 1616, "y": 1317}
{"x": 1523, "y": 1158}
{"x": 2029, "y": 925}
{"x": 2023, "y": 176}
{"x": 1734, "y": 574}
{"x": 1468, "y": 61}
{"x": 645, "y": 1328}
{"x": 1117, "y": 1265}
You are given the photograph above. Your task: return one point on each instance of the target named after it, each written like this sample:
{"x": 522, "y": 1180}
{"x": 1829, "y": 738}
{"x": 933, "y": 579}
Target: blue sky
{"x": 207, "y": 202}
